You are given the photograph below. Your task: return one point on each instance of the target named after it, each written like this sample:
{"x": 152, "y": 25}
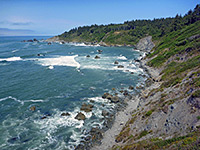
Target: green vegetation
{"x": 198, "y": 117}
{"x": 196, "y": 93}
{"x": 129, "y": 32}
{"x": 143, "y": 133}
{"x": 189, "y": 141}
{"x": 148, "y": 113}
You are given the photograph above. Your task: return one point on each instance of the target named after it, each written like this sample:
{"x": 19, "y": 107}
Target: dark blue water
{"x": 57, "y": 78}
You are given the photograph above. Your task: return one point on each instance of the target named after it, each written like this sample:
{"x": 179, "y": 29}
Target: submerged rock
{"x": 86, "y": 107}
{"x": 33, "y": 108}
{"x": 80, "y": 116}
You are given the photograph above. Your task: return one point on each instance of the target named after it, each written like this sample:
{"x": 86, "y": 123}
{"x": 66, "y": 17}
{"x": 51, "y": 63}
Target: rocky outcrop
{"x": 145, "y": 44}
{"x": 86, "y": 107}
{"x": 80, "y": 116}
{"x": 53, "y": 39}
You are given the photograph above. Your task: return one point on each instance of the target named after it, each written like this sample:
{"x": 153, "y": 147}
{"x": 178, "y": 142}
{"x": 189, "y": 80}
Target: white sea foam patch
{"x": 59, "y": 61}
{"x": 10, "y": 59}
{"x": 122, "y": 57}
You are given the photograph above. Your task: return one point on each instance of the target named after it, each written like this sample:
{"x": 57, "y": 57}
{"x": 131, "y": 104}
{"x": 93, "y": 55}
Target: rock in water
{"x": 116, "y": 62}
{"x": 131, "y": 88}
{"x": 88, "y": 56}
{"x": 115, "y": 99}
{"x": 105, "y": 113}
{"x": 86, "y": 107}
{"x": 65, "y": 114}
{"x": 105, "y": 95}
{"x": 33, "y": 108}
{"x": 80, "y": 116}
{"x": 97, "y": 57}
{"x": 120, "y": 66}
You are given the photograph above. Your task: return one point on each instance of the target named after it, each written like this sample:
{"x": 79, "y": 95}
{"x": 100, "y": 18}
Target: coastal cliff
{"x": 166, "y": 113}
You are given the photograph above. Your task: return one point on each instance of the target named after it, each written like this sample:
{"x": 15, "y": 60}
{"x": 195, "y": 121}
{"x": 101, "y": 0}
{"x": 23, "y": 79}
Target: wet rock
{"x": 44, "y": 117}
{"x": 88, "y": 56}
{"x": 113, "y": 89}
{"x": 120, "y": 66}
{"x": 65, "y": 114}
{"x": 97, "y": 57}
{"x": 105, "y": 95}
{"x": 80, "y": 116}
{"x": 33, "y": 108}
{"x": 49, "y": 43}
{"x": 105, "y": 113}
{"x": 115, "y": 99}
{"x": 116, "y": 62}
{"x": 91, "y": 101}
{"x": 96, "y": 135}
{"x": 125, "y": 93}
{"x": 121, "y": 91}
{"x": 99, "y": 51}
{"x": 35, "y": 40}
{"x": 131, "y": 88}
{"x": 86, "y": 107}
{"x": 29, "y": 40}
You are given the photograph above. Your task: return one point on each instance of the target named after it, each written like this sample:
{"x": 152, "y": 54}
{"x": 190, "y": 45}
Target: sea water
{"x": 56, "y": 79}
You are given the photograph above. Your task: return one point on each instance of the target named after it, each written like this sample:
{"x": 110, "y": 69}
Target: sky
{"x": 53, "y": 17}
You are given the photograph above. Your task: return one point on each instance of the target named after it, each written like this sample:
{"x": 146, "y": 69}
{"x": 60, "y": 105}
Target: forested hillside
{"x": 130, "y": 32}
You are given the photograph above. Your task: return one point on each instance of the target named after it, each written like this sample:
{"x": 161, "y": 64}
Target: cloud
{"x": 21, "y": 23}
{"x": 15, "y": 23}
{"x": 15, "y": 32}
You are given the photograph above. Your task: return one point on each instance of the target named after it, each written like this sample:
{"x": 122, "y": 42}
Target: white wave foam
{"x": 59, "y": 61}
{"x": 122, "y": 58}
{"x": 13, "y": 98}
{"x": 83, "y": 44}
{"x": 15, "y": 51}
{"x": 11, "y": 59}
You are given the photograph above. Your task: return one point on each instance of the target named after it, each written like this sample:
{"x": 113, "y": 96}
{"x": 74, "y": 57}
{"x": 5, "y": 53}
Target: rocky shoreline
{"x": 103, "y": 139}
{"x": 123, "y": 116}
{"x": 56, "y": 39}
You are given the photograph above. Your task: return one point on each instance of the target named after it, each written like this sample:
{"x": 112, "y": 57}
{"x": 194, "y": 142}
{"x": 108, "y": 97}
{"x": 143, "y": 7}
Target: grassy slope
{"x": 179, "y": 58}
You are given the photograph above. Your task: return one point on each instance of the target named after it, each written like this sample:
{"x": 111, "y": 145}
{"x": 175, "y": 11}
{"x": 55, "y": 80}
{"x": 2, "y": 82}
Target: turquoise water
{"x": 57, "y": 81}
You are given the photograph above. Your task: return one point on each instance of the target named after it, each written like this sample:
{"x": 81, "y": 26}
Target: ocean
{"x": 55, "y": 79}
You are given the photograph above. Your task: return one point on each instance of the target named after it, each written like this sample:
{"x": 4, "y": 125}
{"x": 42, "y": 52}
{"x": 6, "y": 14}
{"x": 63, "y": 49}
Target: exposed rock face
{"x": 145, "y": 44}
{"x": 53, "y": 39}
{"x": 80, "y": 116}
